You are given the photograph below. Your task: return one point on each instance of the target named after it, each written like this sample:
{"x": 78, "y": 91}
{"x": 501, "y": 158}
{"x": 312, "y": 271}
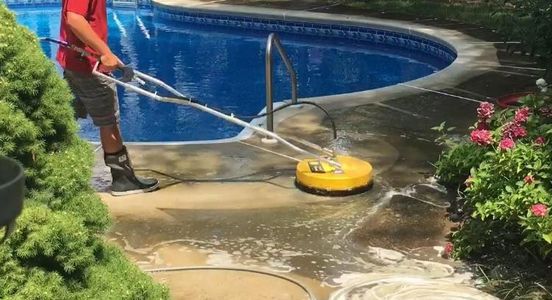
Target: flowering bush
{"x": 505, "y": 179}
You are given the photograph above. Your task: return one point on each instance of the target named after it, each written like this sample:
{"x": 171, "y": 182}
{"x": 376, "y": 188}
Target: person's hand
{"x": 109, "y": 62}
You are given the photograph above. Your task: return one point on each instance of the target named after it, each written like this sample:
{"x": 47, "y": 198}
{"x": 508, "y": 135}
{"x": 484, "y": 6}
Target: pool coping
{"x": 474, "y": 57}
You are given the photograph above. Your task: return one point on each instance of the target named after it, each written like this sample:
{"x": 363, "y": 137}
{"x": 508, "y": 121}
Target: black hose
{"x": 334, "y": 129}
{"x": 250, "y": 117}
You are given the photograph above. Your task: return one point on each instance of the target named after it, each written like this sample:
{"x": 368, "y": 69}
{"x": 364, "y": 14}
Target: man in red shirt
{"x": 84, "y": 24}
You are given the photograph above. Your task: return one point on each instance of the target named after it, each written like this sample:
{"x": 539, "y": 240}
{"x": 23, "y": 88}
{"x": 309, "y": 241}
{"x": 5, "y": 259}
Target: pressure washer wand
{"x": 69, "y": 46}
{"x": 129, "y": 74}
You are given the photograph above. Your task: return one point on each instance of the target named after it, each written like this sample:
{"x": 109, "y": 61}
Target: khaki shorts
{"x": 94, "y": 96}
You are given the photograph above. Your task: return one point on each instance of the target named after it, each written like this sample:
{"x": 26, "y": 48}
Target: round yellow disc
{"x": 320, "y": 177}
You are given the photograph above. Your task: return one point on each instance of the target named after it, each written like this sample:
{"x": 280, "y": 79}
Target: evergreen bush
{"x": 57, "y": 251}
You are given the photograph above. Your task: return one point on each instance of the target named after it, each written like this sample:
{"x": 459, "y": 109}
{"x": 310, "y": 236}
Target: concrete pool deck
{"x": 235, "y": 204}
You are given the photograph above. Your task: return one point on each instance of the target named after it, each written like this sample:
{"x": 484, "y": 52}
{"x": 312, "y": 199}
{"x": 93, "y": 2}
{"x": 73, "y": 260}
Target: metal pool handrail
{"x": 274, "y": 40}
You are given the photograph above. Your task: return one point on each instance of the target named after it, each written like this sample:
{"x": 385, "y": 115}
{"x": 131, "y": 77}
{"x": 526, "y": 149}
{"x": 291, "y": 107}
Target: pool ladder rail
{"x": 273, "y": 40}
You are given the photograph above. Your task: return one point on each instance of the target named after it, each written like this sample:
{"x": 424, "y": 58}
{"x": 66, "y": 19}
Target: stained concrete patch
{"x": 404, "y": 224}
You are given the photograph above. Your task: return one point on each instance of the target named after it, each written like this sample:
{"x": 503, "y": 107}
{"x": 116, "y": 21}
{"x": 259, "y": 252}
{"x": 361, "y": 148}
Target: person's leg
{"x": 99, "y": 97}
{"x": 111, "y": 139}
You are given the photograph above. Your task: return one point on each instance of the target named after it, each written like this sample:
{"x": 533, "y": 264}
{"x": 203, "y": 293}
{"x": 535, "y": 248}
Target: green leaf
{"x": 547, "y": 237}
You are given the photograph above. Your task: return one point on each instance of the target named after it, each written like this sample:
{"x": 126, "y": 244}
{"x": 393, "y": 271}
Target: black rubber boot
{"x": 125, "y": 182}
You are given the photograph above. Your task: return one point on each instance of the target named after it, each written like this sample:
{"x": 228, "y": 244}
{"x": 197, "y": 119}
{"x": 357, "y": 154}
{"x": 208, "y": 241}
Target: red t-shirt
{"x": 94, "y": 11}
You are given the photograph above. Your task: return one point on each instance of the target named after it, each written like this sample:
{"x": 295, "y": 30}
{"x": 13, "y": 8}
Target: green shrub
{"x": 454, "y": 166}
{"x": 501, "y": 192}
{"x": 56, "y": 252}
{"x": 508, "y": 193}
{"x": 56, "y": 239}
{"x": 105, "y": 283}
{"x": 528, "y": 22}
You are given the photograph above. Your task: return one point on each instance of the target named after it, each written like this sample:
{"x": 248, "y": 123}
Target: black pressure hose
{"x": 250, "y": 117}
{"x": 334, "y": 129}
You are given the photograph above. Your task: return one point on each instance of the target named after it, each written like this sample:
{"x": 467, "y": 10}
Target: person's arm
{"x": 80, "y": 27}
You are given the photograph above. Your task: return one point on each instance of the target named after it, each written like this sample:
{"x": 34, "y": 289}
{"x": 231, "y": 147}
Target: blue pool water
{"x": 224, "y": 67}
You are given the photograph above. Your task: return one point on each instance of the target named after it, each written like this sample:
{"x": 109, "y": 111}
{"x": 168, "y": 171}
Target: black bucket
{"x": 12, "y": 189}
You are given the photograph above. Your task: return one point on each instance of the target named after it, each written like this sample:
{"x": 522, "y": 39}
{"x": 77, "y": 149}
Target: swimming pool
{"x": 224, "y": 67}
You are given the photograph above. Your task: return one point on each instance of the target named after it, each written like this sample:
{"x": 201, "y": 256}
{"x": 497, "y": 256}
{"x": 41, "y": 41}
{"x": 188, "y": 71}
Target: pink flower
{"x": 448, "y": 249}
{"x": 485, "y": 111}
{"x": 539, "y": 210}
{"x": 507, "y": 144}
{"x": 481, "y": 137}
{"x": 507, "y": 129}
{"x": 540, "y": 141}
{"x": 522, "y": 114}
{"x": 514, "y": 131}
{"x": 529, "y": 179}
{"x": 519, "y": 132}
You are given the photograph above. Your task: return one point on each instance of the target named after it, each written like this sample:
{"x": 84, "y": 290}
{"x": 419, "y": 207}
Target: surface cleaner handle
{"x": 128, "y": 73}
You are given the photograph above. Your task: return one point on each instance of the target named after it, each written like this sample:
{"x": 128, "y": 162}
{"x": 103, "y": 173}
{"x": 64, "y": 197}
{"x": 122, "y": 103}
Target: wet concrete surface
{"x": 236, "y": 205}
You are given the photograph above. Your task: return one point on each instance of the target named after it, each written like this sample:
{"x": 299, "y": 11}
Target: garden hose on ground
{"x": 246, "y": 270}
